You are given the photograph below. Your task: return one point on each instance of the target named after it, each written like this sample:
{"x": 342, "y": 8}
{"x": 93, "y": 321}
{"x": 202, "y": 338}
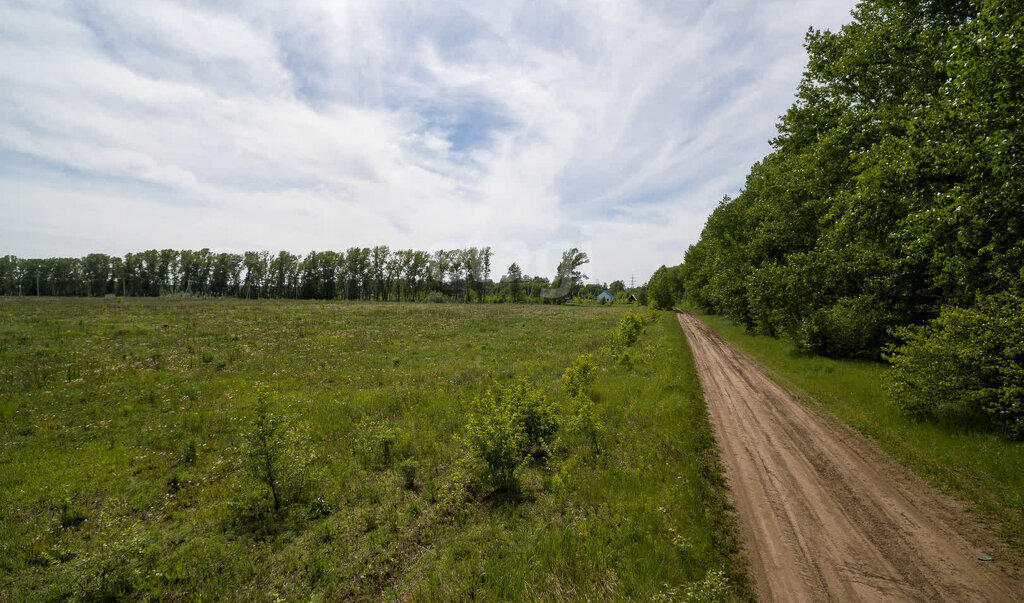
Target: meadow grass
{"x": 980, "y": 467}
{"x": 124, "y": 467}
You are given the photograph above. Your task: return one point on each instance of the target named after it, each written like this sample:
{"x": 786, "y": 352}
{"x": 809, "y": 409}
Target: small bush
{"x": 621, "y": 338}
{"x": 407, "y": 469}
{"x": 967, "y": 364}
{"x": 319, "y": 508}
{"x": 375, "y": 442}
{"x": 70, "y": 517}
{"x": 578, "y": 378}
{"x": 278, "y": 457}
{"x": 580, "y": 413}
{"x": 854, "y": 327}
{"x": 436, "y": 297}
{"x": 506, "y": 427}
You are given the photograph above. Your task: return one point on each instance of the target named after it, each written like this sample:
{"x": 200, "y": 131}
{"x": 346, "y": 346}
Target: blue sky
{"x": 615, "y": 126}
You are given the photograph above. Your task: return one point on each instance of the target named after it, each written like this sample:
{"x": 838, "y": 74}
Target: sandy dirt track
{"x": 825, "y": 516}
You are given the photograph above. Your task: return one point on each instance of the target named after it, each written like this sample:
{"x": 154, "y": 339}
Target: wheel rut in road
{"x": 822, "y": 513}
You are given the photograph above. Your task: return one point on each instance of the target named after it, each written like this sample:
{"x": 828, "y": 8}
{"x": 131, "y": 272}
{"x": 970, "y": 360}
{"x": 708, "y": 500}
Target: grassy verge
{"x": 124, "y": 460}
{"x": 981, "y": 468}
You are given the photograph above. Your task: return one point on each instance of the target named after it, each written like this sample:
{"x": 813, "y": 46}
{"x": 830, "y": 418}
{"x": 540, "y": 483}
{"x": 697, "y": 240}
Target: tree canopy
{"x": 894, "y": 187}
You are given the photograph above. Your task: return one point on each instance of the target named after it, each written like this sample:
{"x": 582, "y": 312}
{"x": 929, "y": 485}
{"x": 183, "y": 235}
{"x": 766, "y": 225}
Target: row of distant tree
{"x": 360, "y": 273}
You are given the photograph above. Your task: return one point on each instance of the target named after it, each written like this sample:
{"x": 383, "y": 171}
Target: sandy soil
{"x": 825, "y": 516}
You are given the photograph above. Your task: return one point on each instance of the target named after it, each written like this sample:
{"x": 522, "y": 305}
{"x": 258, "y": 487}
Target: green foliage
{"x": 578, "y": 378}
{"x": 626, "y": 334}
{"x": 968, "y": 363}
{"x": 71, "y": 516}
{"x": 713, "y": 588}
{"x": 580, "y": 411}
{"x": 407, "y": 469}
{"x": 665, "y": 288}
{"x": 893, "y": 188}
{"x": 506, "y": 427}
{"x": 279, "y": 458}
{"x": 850, "y": 328}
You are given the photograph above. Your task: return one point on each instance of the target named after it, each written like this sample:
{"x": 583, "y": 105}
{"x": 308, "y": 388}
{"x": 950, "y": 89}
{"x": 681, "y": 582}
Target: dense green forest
{"x": 888, "y": 219}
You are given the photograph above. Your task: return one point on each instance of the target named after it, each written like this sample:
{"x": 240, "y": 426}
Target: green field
{"x": 978, "y": 466}
{"x": 124, "y": 469}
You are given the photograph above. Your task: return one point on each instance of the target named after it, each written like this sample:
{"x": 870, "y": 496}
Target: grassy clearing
{"x": 127, "y": 451}
{"x": 977, "y": 466}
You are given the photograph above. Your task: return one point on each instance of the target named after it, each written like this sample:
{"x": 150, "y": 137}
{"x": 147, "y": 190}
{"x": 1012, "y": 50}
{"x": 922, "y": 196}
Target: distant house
{"x": 631, "y": 299}
{"x": 605, "y": 296}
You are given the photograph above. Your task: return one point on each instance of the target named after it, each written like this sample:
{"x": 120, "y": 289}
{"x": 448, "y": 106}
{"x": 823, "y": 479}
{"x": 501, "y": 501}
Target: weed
{"x": 319, "y": 508}
{"x": 407, "y": 469}
{"x": 70, "y": 516}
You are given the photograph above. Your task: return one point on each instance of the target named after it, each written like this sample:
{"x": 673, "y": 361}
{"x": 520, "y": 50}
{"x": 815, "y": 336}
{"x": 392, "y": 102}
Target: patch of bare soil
{"x": 826, "y": 516}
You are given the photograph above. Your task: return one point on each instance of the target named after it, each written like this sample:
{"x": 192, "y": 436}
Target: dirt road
{"x": 823, "y": 514}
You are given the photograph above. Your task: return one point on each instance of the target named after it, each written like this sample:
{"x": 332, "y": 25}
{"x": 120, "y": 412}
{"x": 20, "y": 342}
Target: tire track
{"x": 824, "y": 515}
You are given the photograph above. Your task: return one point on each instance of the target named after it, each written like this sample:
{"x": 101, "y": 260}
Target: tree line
{"x": 891, "y": 203}
{"x": 360, "y": 273}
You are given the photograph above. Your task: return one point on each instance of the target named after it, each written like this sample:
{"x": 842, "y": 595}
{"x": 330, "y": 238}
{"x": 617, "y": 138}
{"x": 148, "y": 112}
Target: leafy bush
{"x": 577, "y": 379}
{"x": 407, "y": 469}
{"x": 626, "y": 334}
{"x": 71, "y": 516}
{"x": 506, "y": 426}
{"x": 581, "y": 415}
{"x": 853, "y": 327}
{"x": 278, "y": 456}
{"x": 968, "y": 363}
{"x": 375, "y": 441}
{"x": 436, "y": 297}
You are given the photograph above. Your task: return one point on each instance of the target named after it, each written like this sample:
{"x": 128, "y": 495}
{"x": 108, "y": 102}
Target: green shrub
{"x": 319, "y": 508}
{"x": 853, "y": 327}
{"x": 966, "y": 364}
{"x": 577, "y": 379}
{"x": 375, "y": 441}
{"x": 278, "y": 456}
{"x": 407, "y": 469}
{"x": 436, "y": 297}
{"x": 71, "y": 516}
{"x": 630, "y": 327}
{"x": 506, "y": 426}
{"x": 580, "y": 412}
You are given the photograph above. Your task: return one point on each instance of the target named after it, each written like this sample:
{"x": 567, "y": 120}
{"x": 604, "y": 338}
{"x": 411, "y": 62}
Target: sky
{"x": 530, "y": 127}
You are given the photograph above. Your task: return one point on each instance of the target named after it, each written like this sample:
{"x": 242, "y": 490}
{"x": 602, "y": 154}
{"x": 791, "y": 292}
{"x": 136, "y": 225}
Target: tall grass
{"x": 124, "y": 465}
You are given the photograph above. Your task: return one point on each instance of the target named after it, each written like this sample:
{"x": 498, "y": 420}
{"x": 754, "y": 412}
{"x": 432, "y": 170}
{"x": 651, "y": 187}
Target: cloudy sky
{"x": 613, "y": 126}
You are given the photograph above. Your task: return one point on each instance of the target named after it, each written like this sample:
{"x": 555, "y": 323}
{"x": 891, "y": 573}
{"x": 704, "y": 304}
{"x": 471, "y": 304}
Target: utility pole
{"x": 632, "y": 284}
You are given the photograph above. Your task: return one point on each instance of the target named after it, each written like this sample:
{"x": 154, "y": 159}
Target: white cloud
{"x": 613, "y": 126}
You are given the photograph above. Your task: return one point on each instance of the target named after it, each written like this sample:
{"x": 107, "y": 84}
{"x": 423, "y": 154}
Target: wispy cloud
{"x": 614, "y": 126}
